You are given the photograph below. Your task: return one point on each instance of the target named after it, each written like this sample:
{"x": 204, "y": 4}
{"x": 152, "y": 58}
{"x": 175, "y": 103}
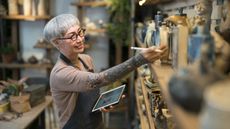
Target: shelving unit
{"x": 16, "y": 66}
{"x": 147, "y": 104}
{"x": 162, "y": 74}
{"x": 14, "y": 40}
{"x": 97, "y": 30}
{"x": 154, "y": 2}
{"x": 143, "y": 118}
{"x": 29, "y": 18}
{"x": 91, "y": 4}
{"x": 183, "y": 118}
{"x": 14, "y": 28}
{"x": 82, "y": 6}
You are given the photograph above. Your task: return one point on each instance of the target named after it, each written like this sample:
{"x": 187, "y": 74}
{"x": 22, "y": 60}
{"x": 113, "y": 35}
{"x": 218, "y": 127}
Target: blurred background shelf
{"x": 29, "y": 18}
{"x": 14, "y": 65}
{"x": 96, "y": 30}
{"x": 142, "y": 116}
{"x": 91, "y": 4}
{"x": 183, "y": 118}
{"x": 147, "y": 103}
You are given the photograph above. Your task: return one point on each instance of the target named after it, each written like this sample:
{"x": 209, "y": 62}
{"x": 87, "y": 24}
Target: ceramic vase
{"x": 27, "y": 7}
{"x": 13, "y": 7}
{"x": 216, "y": 112}
{"x": 41, "y": 8}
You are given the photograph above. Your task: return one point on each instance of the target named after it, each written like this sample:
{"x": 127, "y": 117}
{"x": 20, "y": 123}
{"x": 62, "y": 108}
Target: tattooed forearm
{"x": 117, "y": 72}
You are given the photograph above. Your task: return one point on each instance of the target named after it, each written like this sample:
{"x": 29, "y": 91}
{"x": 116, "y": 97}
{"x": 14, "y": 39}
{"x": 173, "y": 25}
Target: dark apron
{"x": 82, "y": 117}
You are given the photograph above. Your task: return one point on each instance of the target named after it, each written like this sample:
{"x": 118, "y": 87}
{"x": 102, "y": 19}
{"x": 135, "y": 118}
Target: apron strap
{"x": 68, "y": 62}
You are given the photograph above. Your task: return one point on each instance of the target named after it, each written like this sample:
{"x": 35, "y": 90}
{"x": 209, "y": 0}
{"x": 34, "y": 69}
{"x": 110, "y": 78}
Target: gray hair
{"x": 58, "y": 26}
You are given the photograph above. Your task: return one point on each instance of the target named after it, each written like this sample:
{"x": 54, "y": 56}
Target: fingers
{"x": 152, "y": 50}
{"x": 104, "y": 110}
{"x": 107, "y": 109}
{"x": 154, "y": 57}
{"x": 164, "y": 51}
{"x": 154, "y": 53}
{"x": 162, "y": 47}
{"x": 123, "y": 96}
{"x": 111, "y": 107}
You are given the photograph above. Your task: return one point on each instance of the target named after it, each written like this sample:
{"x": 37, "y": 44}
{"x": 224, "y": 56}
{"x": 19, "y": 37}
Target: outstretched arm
{"x": 116, "y": 72}
{"x": 70, "y": 79}
{"x": 119, "y": 71}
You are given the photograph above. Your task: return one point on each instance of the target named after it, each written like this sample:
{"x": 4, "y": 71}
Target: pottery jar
{"x": 216, "y": 112}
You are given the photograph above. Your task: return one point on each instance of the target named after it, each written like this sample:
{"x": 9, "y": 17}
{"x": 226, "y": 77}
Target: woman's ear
{"x": 55, "y": 43}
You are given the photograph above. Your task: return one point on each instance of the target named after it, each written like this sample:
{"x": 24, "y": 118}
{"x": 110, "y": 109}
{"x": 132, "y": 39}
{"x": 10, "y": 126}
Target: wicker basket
{"x": 4, "y": 107}
{"x": 20, "y": 104}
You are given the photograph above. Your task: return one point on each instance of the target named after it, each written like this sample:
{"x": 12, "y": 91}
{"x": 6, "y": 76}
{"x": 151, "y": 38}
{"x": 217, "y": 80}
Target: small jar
{"x": 13, "y": 7}
{"x": 27, "y": 7}
{"x": 41, "y": 8}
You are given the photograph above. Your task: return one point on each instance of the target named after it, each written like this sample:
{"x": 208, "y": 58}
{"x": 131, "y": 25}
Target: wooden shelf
{"x": 183, "y": 119}
{"x": 143, "y": 119}
{"x": 145, "y": 91}
{"x": 91, "y": 4}
{"x": 154, "y": 2}
{"x": 28, "y": 18}
{"x": 14, "y": 65}
{"x": 48, "y": 46}
{"x": 14, "y": 36}
{"x": 163, "y": 73}
{"x": 28, "y": 117}
{"x": 96, "y": 30}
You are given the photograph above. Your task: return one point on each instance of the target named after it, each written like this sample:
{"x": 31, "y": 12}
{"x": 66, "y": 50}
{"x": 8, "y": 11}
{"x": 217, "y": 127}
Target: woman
{"x": 74, "y": 86}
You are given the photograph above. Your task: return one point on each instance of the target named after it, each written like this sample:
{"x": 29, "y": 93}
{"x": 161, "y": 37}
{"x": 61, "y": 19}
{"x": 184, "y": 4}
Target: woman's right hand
{"x": 152, "y": 54}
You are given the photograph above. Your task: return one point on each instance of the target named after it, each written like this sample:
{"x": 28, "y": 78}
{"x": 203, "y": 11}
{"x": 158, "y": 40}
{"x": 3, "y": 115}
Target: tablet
{"x": 109, "y": 98}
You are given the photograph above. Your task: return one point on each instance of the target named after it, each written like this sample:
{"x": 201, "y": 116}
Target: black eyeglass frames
{"x": 74, "y": 35}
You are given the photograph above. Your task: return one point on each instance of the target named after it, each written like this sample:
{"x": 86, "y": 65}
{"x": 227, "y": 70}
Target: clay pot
{"x": 13, "y": 7}
{"x": 27, "y": 7}
{"x": 216, "y": 112}
{"x": 8, "y": 58}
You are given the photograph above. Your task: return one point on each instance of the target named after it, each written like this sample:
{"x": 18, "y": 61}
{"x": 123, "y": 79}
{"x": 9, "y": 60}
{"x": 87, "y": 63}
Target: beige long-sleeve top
{"x": 66, "y": 81}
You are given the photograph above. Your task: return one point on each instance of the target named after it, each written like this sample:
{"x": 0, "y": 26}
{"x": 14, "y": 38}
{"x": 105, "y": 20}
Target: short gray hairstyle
{"x": 58, "y": 26}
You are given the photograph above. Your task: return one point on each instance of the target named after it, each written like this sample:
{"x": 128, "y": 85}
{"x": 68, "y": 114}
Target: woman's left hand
{"x": 110, "y": 108}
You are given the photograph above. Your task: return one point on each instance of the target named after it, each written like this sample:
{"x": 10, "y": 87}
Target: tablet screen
{"x": 109, "y": 98}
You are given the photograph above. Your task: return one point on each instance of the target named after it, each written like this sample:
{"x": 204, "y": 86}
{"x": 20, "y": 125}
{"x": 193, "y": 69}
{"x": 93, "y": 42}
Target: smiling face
{"x": 72, "y": 43}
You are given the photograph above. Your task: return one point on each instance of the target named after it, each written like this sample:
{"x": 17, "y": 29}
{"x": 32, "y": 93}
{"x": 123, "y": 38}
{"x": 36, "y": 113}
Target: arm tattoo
{"x": 116, "y": 72}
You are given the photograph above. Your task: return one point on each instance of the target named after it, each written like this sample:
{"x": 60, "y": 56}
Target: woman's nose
{"x": 80, "y": 39}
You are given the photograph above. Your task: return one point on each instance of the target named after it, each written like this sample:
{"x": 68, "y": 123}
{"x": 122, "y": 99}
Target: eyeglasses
{"x": 74, "y": 36}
